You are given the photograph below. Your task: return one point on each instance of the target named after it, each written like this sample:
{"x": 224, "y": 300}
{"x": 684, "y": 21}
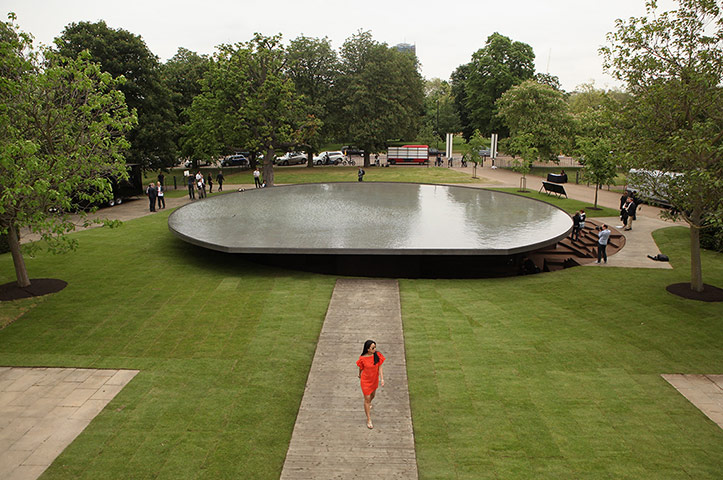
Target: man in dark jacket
{"x": 191, "y": 187}
{"x": 629, "y": 212}
{"x": 152, "y": 193}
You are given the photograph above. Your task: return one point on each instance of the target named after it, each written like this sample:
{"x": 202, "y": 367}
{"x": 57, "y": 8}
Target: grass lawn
{"x": 529, "y": 378}
{"x": 302, "y": 174}
{"x": 224, "y": 348}
{"x": 546, "y": 376}
{"x": 568, "y": 204}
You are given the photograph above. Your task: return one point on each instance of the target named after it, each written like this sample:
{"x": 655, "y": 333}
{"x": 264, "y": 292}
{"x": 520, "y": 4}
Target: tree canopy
{"x": 538, "y": 120}
{"x": 494, "y": 69}
{"x": 120, "y": 52}
{"x": 248, "y": 102}
{"x": 379, "y": 95}
{"x": 672, "y": 64}
{"x": 62, "y": 126}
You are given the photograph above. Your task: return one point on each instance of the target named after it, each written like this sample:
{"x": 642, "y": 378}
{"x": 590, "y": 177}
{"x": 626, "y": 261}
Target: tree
{"x": 539, "y": 122}
{"x": 61, "y": 139}
{"x": 439, "y": 107}
{"x": 494, "y": 69}
{"x": 249, "y": 102}
{"x": 472, "y": 150}
{"x": 595, "y": 126}
{"x": 672, "y": 64}
{"x": 380, "y": 94}
{"x": 122, "y": 53}
{"x": 314, "y": 66}
{"x": 182, "y": 76}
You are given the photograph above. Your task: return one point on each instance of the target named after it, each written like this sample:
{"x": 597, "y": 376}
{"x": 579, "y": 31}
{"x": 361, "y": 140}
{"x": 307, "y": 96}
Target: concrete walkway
{"x": 42, "y": 410}
{"x": 639, "y": 241}
{"x": 330, "y": 438}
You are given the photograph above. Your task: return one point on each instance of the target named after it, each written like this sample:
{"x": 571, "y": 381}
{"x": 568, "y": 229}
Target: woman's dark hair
{"x": 368, "y": 344}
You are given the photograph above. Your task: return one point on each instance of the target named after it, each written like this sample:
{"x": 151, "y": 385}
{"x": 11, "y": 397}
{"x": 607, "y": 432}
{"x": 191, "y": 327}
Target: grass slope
{"x": 529, "y": 378}
{"x": 224, "y": 348}
{"x": 547, "y": 376}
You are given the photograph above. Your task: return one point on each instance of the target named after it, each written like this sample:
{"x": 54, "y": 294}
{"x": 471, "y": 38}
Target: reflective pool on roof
{"x": 371, "y": 218}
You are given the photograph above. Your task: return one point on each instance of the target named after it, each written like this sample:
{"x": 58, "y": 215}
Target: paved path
{"x": 703, "y": 391}
{"x": 330, "y": 439}
{"x": 42, "y": 410}
{"x": 639, "y": 242}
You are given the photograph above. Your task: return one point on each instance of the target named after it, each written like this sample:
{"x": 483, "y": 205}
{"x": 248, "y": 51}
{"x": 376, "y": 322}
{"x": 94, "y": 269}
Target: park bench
{"x": 555, "y": 188}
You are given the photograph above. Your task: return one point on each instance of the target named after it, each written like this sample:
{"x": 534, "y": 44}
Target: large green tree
{"x": 122, "y": 53}
{"x": 539, "y": 121}
{"x": 313, "y": 65}
{"x": 440, "y": 113}
{"x": 249, "y": 102}
{"x": 182, "y": 76}
{"x": 494, "y": 69}
{"x": 672, "y": 64}
{"x": 596, "y": 118}
{"x": 380, "y": 94}
{"x": 62, "y": 123}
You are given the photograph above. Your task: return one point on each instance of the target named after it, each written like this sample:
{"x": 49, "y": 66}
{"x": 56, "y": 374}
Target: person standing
{"x": 220, "y": 179}
{"x": 370, "y": 375}
{"x": 151, "y": 192}
{"x": 191, "y": 187}
{"x": 257, "y": 178}
{"x": 629, "y": 208}
{"x": 360, "y": 174}
{"x": 582, "y": 221}
{"x": 161, "y": 179}
{"x": 602, "y": 243}
{"x": 575, "y": 226}
{"x": 209, "y": 179}
{"x": 161, "y": 200}
{"x": 201, "y": 185}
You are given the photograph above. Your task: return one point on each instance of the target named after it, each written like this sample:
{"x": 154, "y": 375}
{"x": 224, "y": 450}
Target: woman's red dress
{"x": 369, "y": 373}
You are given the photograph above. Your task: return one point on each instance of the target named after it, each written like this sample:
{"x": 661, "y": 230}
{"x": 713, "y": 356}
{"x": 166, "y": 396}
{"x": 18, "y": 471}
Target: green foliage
{"x": 249, "y": 103}
{"x": 539, "y": 115}
{"x": 471, "y": 150}
{"x": 62, "y": 122}
{"x": 440, "y": 113}
{"x": 122, "y": 53}
{"x": 477, "y": 86}
{"x": 672, "y": 63}
{"x": 380, "y": 94}
{"x": 182, "y": 76}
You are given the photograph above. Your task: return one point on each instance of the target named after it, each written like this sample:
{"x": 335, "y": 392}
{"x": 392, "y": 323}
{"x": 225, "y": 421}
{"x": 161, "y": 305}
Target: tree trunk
{"x": 596, "y": 189}
{"x": 366, "y": 158}
{"x": 20, "y": 271}
{"x": 309, "y": 159}
{"x": 269, "y": 167}
{"x": 696, "y": 270}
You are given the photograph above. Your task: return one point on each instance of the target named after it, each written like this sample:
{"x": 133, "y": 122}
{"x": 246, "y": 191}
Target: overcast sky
{"x": 565, "y": 34}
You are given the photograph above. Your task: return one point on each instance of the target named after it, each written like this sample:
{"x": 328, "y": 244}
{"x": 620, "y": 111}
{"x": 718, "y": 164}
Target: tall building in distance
{"x": 406, "y": 48}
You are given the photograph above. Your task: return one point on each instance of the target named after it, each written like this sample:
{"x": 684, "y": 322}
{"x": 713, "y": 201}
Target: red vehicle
{"x": 412, "y": 154}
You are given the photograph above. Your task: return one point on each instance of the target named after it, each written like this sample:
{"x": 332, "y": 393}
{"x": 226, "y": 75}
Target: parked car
{"x": 200, "y": 163}
{"x": 235, "y": 161}
{"x": 329, "y": 158}
{"x": 291, "y": 158}
{"x": 352, "y": 150}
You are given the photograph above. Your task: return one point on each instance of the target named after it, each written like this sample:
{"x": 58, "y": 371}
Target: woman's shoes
{"x": 369, "y": 425}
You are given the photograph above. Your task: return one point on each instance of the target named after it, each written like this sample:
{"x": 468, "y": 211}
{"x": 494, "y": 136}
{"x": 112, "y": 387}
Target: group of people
{"x": 197, "y": 183}
{"x": 155, "y": 192}
{"x": 578, "y": 223}
{"x": 628, "y": 207}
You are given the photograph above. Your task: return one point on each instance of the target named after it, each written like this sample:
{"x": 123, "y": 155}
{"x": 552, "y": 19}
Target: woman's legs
{"x": 368, "y": 406}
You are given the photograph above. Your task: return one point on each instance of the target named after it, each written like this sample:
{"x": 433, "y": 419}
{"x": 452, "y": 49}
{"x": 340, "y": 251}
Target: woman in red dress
{"x": 370, "y": 373}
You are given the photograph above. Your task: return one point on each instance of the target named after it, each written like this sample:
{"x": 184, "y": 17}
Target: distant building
{"x": 407, "y": 48}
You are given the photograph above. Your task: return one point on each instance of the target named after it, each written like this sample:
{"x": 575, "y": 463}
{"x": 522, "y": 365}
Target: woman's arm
{"x": 360, "y": 369}
{"x": 381, "y": 375}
